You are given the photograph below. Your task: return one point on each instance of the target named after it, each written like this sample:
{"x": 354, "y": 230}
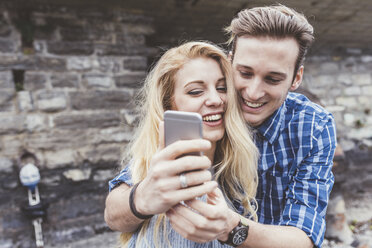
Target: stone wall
{"x": 67, "y": 80}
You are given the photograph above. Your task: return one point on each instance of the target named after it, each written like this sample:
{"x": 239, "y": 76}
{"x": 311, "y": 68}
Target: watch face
{"x": 240, "y": 236}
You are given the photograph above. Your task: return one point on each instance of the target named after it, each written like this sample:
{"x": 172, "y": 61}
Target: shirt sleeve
{"x": 123, "y": 177}
{"x": 309, "y": 189}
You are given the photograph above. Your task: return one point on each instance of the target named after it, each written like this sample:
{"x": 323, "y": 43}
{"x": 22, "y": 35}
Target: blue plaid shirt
{"x": 297, "y": 145}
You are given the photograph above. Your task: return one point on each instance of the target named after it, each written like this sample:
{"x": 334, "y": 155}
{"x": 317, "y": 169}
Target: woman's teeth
{"x": 212, "y": 117}
{"x": 252, "y": 104}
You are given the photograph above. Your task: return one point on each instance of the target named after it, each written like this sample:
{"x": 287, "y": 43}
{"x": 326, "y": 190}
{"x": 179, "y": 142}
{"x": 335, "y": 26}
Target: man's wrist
{"x": 234, "y": 220}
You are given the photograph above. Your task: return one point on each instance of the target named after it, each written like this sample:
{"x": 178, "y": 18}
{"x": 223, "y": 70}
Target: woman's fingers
{"x": 183, "y": 147}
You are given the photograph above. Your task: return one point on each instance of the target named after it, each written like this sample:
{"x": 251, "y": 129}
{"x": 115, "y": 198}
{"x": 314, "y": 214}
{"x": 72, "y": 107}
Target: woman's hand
{"x": 161, "y": 189}
{"x": 204, "y": 221}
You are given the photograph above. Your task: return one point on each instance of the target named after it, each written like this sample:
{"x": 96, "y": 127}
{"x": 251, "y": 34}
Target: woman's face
{"x": 200, "y": 87}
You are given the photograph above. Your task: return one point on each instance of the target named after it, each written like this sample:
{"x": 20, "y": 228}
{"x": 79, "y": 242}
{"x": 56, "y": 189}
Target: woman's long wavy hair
{"x": 236, "y": 155}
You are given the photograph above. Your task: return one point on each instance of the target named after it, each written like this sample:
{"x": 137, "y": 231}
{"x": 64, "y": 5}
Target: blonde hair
{"x": 236, "y": 168}
{"x": 276, "y": 21}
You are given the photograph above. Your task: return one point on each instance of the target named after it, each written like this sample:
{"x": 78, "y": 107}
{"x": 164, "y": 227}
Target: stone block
{"x": 6, "y": 165}
{"x": 348, "y": 102}
{"x": 77, "y": 175}
{"x": 122, "y": 49}
{"x": 58, "y": 139}
{"x": 59, "y": 158}
{"x": 352, "y": 91}
{"x": 143, "y": 29}
{"x": 70, "y": 48}
{"x": 323, "y": 81}
{"x": 367, "y": 90}
{"x": 50, "y": 64}
{"x": 12, "y": 123}
{"x": 25, "y": 102}
{"x": 345, "y": 78}
{"x": 101, "y": 99}
{"x": 103, "y": 175}
{"x": 8, "y": 46}
{"x": 360, "y": 133}
{"x": 131, "y": 80}
{"x": 117, "y": 135}
{"x": 51, "y": 101}
{"x": 135, "y": 63}
{"x": 6, "y": 80}
{"x": 109, "y": 64}
{"x": 96, "y": 81}
{"x": 104, "y": 153}
{"x": 362, "y": 79}
{"x": 81, "y": 63}
{"x": 36, "y": 122}
{"x": 65, "y": 81}
{"x": 34, "y": 81}
{"x": 131, "y": 40}
{"x": 6, "y": 100}
{"x": 349, "y": 119}
{"x": 84, "y": 120}
{"x": 329, "y": 67}
{"x": 131, "y": 118}
{"x": 13, "y": 62}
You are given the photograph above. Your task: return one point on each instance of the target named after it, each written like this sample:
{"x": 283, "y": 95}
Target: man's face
{"x": 263, "y": 72}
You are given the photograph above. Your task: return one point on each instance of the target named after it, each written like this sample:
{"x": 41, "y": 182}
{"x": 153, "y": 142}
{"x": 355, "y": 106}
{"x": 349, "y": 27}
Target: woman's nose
{"x": 214, "y": 99}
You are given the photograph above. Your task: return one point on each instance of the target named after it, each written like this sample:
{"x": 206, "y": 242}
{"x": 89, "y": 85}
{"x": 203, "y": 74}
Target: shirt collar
{"x": 270, "y": 129}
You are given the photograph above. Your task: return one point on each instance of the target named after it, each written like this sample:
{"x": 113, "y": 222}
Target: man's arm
{"x": 118, "y": 215}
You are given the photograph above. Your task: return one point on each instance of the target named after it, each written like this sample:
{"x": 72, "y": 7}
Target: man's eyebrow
{"x": 280, "y": 74}
{"x": 244, "y": 66}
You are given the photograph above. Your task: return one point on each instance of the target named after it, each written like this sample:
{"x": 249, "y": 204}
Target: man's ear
{"x": 298, "y": 79}
{"x": 230, "y": 55}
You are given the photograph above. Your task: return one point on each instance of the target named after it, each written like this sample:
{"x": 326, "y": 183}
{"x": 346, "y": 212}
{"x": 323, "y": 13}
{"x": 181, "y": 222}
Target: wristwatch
{"x": 238, "y": 235}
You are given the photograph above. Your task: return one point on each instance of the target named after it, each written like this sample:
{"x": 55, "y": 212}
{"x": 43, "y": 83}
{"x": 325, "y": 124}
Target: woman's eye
{"x": 195, "y": 92}
{"x": 222, "y": 89}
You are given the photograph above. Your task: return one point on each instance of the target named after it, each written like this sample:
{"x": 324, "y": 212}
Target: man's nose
{"x": 254, "y": 90}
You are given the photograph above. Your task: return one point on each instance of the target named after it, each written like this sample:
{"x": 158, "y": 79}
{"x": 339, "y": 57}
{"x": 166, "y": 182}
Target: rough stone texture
{"x": 100, "y": 99}
{"x": 135, "y": 63}
{"x": 6, "y": 80}
{"x": 6, "y": 100}
{"x": 34, "y": 81}
{"x": 51, "y": 101}
{"x": 70, "y": 48}
{"x": 25, "y": 102}
{"x": 6, "y": 165}
{"x": 132, "y": 80}
{"x": 65, "y": 81}
{"x": 79, "y": 121}
{"x": 77, "y": 175}
{"x": 96, "y": 81}
{"x": 12, "y": 123}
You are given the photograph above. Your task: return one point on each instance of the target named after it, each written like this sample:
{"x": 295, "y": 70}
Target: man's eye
{"x": 245, "y": 74}
{"x": 273, "y": 80}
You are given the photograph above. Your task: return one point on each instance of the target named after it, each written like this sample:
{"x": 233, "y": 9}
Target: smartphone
{"x": 180, "y": 125}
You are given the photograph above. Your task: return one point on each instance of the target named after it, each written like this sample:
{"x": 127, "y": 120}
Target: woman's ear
{"x": 298, "y": 79}
{"x": 230, "y": 56}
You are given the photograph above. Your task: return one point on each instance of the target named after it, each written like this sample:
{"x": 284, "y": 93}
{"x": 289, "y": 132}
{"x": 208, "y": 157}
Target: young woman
{"x": 193, "y": 77}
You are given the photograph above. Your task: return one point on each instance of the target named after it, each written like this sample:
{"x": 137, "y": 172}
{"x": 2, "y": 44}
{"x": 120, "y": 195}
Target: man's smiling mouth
{"x": 253, "y": 104}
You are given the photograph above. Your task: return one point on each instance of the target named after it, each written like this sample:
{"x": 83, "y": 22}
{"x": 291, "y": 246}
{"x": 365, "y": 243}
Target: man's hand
{"x": 204, "y": 221}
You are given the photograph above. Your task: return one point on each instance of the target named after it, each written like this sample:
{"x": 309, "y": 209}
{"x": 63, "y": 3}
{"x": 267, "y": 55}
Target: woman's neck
{"x": 210, "y": 152}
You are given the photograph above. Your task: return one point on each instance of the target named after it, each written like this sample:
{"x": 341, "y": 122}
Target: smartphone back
{"x": 179, "y": 125}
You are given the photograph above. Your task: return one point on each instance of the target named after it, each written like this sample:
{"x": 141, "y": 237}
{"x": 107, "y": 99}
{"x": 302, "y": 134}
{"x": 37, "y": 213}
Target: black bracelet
{"x": 133, "y": 206}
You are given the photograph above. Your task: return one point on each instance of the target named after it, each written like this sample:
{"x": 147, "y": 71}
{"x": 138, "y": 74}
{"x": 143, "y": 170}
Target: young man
{"x": 296, "y": 137}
